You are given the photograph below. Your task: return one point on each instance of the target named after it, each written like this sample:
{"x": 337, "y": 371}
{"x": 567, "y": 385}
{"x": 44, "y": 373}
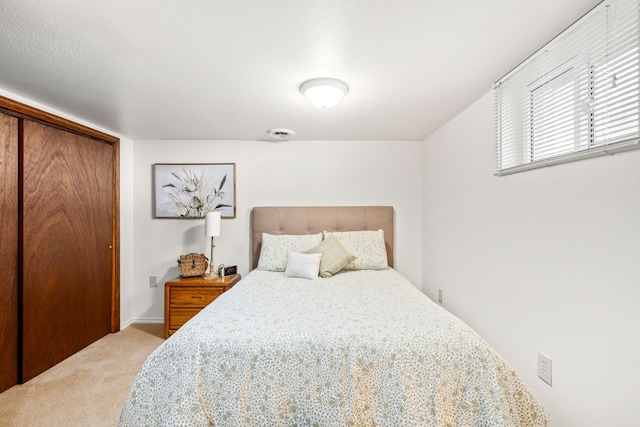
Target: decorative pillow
{"x": 367, "y": 246}
{"x": 334, "y": 256}
{"x": 305, "y": 266}
{"x": 276, "y": 247}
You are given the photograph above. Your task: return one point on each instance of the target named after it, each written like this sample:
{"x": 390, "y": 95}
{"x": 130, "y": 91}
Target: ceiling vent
{"x": 281, "y": 134}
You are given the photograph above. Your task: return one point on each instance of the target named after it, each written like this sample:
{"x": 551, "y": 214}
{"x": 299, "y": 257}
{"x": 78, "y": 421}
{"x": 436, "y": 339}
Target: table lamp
{"x": 212, "y": 229}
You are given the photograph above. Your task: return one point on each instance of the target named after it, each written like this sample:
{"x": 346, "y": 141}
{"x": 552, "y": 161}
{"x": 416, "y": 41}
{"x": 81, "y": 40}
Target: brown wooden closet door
{"x": 8, "y": 252}
{"x": 67, "y": 222}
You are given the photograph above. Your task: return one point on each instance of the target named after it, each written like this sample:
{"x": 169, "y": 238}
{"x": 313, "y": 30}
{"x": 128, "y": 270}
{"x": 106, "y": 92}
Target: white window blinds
{"x": 577, "y": 97}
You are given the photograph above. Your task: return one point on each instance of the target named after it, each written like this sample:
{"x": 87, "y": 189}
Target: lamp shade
{"x": 324, "y": 93}
{"x": 212, "y": 224}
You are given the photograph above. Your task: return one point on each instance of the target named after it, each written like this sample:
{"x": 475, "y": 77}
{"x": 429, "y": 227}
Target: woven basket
{"x": 192, "y": 265}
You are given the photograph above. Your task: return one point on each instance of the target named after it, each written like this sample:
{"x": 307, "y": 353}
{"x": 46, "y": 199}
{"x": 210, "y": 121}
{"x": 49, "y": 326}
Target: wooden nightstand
{"x": 184, "y": 297}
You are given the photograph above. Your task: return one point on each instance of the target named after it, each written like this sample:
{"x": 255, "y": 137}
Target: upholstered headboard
{"x": 314, "y": 219}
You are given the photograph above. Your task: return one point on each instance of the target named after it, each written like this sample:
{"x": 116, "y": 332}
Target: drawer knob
{"x": 196, "y": 297}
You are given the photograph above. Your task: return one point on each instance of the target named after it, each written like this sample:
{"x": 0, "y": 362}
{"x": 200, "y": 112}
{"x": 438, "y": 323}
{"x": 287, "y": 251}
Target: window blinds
{"x": 577, "y": 97}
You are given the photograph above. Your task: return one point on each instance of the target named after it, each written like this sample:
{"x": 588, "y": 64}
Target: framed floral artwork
{"x": 190, "y": 190}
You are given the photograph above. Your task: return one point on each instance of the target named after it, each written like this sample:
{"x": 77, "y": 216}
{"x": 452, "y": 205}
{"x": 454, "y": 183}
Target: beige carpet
{"x": 88, "y": 388}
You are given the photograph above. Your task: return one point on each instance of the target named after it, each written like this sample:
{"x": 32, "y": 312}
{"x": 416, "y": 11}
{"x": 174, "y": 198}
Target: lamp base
{"x": 211, "y": 276}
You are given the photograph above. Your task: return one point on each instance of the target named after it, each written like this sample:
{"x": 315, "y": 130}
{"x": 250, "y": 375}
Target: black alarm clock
{"x": 228, "y": 271}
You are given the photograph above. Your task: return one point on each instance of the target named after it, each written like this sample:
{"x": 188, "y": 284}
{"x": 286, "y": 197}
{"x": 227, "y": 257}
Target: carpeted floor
{"x": 88, "y": 388}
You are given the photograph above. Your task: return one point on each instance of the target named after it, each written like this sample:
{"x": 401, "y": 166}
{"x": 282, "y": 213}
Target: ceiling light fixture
{"x": 325, "y": 92}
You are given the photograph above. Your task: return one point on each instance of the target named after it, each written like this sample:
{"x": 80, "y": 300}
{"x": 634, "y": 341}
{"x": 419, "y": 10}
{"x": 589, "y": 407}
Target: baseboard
{"x": 146, "y": 320}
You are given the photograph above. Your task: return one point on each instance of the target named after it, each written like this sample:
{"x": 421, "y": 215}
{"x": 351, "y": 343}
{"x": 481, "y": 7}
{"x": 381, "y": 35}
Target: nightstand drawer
{"x": 194, "y": 297}
{"x": 180, "y": 316}
{"x": 184, "y": 297}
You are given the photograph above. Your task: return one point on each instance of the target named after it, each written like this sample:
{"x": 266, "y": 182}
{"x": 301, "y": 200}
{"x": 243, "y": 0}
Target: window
{"x": 576, "y": 98}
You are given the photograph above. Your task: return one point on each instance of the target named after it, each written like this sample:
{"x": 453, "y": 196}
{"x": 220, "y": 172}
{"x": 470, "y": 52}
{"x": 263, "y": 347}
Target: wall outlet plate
{"x": 544, "y": 367}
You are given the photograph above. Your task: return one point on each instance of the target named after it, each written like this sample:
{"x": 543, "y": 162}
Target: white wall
{"x": 126, "y": 232}
{"x": 271, "y": 174}
{"x": 543, "y": 260}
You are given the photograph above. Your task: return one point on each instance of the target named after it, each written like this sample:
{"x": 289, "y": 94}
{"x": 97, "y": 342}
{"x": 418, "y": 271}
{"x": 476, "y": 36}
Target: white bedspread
{"x": 361, "y": 348}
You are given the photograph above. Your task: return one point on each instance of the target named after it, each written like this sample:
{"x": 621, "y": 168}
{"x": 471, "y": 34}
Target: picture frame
{"x": 190, "y": 190}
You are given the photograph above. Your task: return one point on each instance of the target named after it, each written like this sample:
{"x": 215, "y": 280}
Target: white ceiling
{"x": 231, "y": 69}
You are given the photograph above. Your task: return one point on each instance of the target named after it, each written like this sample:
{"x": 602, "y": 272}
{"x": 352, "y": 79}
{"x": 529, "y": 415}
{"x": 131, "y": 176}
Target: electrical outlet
{"x": 440, "y": 296}
{"x": 544, "y": 368}
{"x": 153, "y": 281}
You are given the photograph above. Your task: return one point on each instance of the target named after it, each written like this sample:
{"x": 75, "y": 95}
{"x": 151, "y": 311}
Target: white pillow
{"x": 276, "y": 247}
{"x": 306, "y": 266}
{"x": 367, "y": 246}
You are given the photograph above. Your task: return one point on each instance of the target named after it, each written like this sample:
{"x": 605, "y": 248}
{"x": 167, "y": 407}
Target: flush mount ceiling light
{"x": 324, "y": 93}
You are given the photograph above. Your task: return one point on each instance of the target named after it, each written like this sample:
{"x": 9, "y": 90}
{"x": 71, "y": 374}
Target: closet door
{"x": 8, "y": 252}
{"x": 67, "y": 244}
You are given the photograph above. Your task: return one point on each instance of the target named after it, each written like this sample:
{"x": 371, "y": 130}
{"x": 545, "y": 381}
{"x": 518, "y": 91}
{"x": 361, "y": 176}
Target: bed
{"x": 360, "y": 346}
